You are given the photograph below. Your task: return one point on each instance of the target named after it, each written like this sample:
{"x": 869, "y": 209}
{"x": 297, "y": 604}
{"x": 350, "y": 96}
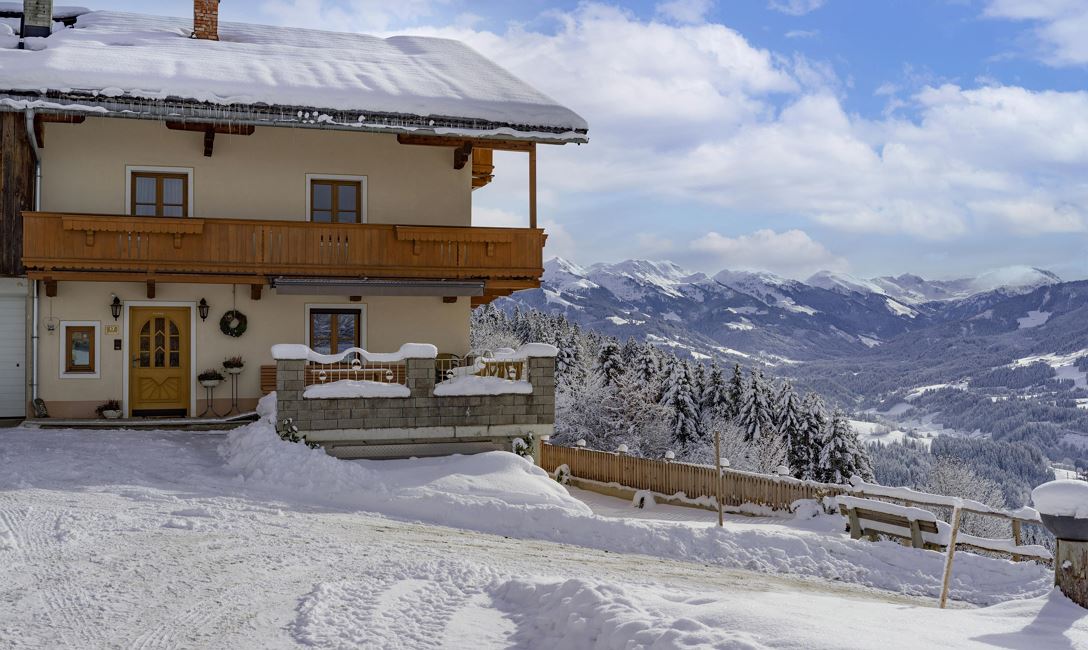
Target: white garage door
{"x": 12, "y": 356}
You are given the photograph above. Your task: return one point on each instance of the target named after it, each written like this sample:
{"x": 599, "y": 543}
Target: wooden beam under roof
{"x": 209, "y": 130}
{"x": 41, "y": 119}
{"x": 452, "y": 141}
{"x": 222, "y": 128}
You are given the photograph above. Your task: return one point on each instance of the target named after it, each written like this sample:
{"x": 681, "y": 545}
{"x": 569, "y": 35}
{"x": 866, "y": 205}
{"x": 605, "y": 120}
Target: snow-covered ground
{"x": 168, "y": 539}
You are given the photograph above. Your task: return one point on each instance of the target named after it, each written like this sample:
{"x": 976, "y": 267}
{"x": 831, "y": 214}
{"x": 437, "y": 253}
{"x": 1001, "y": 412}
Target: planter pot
{"x": 111, "y": 415}
{"x": 209, "y": 383}
{"x": 234, "y": 371}
{"x": 1069, "y": 528}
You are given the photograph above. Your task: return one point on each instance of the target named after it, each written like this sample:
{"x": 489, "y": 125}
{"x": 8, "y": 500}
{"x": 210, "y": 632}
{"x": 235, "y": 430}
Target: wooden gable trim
{"x": 41, "y": 119}
{"x": 210, "y": 130}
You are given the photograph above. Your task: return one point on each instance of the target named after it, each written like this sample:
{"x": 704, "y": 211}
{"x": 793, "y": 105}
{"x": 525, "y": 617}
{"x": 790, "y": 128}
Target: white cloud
{"x": 795, "y": 7}
{"x": 685, "y": 11}
{"x": 791, "y": 253}
{"x": 803, "y": 33}
{"x": 1061, "y": 30}
{"x": 696, "y": 113}
{"x": 653, "y": 245}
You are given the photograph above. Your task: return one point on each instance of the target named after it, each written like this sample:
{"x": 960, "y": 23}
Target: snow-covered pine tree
{"x": 841, "y": 455}
{"x": 754, "y": 415}
{"x": 814, "y": 424}
{"x": 609, "y": 363}
{"x": 630, "y": 351}
{"x": 680, "y": 398}
{"x": 735, "y": 392}
{"x": 645, "y": 368}
{"x": 566, "y": 361}
{"x": 788, "y": 423}
{"x": 715, "y": 397}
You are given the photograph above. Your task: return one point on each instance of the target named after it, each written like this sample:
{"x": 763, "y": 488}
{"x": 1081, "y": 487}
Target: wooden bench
{"x": 872, "y": 518}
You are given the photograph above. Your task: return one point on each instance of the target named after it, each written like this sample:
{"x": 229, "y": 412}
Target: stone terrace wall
{"x": 477, "y": 416}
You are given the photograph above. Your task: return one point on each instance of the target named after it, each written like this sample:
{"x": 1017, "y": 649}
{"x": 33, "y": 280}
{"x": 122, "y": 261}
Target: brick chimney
{"x": 206, "y": 19}
{"x": 37, "y": 19}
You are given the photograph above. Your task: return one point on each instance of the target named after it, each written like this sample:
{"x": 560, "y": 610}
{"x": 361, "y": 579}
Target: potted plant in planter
{"x": 1063, "y": 507}
{"x": 233, "y": 365}
{"x": 210, "y": 378}
{"x": 111, "y": 410}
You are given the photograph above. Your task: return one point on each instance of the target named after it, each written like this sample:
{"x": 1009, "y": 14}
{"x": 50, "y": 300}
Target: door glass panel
{"x": 145, "y": 190}
{"x": 347, "y": 217}
{"x": 172, "y": 191}
{"x": 160, "y": 342}
{"x": 345, "y": 199}
{"x": 322, "y": 196}
{"x": 172, "y": 211}
{"x": 175, "y": 346}
{"x": 345, "y": 331}
{"x": 145, "y": 210}
{"x": 321, "y": 333}
{"x": 145, "y": 345}
{"x": 322, "y": 216}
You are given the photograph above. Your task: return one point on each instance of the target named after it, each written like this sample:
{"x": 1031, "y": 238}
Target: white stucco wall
{"x": 389, "y": 323}
{"x": 259, "y": 176}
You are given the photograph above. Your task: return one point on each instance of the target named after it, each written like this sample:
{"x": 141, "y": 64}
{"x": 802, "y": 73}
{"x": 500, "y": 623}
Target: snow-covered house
{"x": 180, "y": 191}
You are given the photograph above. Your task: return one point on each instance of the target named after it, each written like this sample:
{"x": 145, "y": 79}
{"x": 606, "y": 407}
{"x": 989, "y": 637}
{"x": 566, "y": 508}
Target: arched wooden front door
{"x": 158, "y": 377}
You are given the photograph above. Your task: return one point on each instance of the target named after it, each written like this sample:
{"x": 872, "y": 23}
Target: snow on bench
{"x": 922, "y": 527}
{"x": 862, "y": 488}
{"x": 869, "y": 517}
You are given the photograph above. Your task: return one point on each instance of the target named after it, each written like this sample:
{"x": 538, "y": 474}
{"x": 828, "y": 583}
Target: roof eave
{"x": 175, "y": 108}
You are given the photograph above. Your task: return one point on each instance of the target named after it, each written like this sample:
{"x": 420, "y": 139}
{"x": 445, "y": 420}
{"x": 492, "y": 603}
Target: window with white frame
{"x": 80, "y": 350}
{"x": 335, "y": 199}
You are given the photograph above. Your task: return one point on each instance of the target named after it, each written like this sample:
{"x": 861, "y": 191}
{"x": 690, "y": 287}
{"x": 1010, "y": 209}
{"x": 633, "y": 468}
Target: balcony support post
{"x": 532, "y": 185}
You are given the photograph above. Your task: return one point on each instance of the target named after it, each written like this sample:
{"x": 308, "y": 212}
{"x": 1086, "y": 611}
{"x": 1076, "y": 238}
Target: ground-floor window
{"x": 79, "y": 356}
{"x": 334, "y": 330}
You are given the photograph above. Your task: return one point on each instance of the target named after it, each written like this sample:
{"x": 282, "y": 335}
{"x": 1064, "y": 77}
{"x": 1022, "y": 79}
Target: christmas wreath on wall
{"x": 233, "y": 323}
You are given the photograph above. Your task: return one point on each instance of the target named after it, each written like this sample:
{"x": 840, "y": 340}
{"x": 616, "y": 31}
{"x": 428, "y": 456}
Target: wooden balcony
{"x": 91, "y": 246}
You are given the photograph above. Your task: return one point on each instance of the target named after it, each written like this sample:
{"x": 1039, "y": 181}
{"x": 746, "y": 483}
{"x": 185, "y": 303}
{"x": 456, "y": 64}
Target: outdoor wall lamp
{"x": 115, "y": 307}
{"x": 202, "y": 309}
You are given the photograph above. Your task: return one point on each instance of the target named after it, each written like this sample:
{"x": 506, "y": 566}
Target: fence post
{"x": 718, "y": 477}
{"x": 1016, "y": 539}
{"x": 948, "y": 559}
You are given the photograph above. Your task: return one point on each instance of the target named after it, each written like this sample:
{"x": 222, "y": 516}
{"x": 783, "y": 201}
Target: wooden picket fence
{"x": 670, "y": 477}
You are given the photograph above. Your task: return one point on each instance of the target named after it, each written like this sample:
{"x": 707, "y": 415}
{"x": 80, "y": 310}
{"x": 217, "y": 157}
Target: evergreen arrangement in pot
{"x": 111, "y": 410}
{"x": 210, "y": 378}
{"x": 234, "y": 365}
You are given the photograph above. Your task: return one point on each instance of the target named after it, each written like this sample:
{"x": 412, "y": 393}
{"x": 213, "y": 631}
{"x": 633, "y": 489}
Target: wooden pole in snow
{"x": 718, "y": 483}
{"x": 948, "y": 558}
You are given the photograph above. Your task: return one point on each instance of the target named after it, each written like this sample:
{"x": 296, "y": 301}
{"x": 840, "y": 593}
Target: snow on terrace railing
{"x": 740, "y": 489}
{"x": 355, "y": 372}
{"x": 504, "y": 371}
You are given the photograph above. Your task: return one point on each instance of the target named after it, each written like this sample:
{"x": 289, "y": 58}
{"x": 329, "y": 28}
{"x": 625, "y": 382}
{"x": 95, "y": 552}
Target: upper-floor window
{"x": 159, "y": 194}
{"x": 336, "y": 200}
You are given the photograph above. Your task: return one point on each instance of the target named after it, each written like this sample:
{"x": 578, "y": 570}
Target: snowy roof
{"x": 149, "y": 66}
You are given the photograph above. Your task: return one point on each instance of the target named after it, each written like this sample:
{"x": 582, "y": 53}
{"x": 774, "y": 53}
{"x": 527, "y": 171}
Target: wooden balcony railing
{"x": 155, "y": 245}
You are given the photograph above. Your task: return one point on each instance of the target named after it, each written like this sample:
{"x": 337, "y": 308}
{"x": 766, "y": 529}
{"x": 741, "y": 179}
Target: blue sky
{"x": 939, "y": 137}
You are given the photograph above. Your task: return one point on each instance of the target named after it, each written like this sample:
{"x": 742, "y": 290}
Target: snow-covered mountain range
{"x": 758, "y": 314}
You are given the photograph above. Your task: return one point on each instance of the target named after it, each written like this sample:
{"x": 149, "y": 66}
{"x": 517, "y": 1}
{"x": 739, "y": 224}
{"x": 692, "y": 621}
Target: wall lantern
{"x": 115, "y": 307}
{"x": 202, "y": 309}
